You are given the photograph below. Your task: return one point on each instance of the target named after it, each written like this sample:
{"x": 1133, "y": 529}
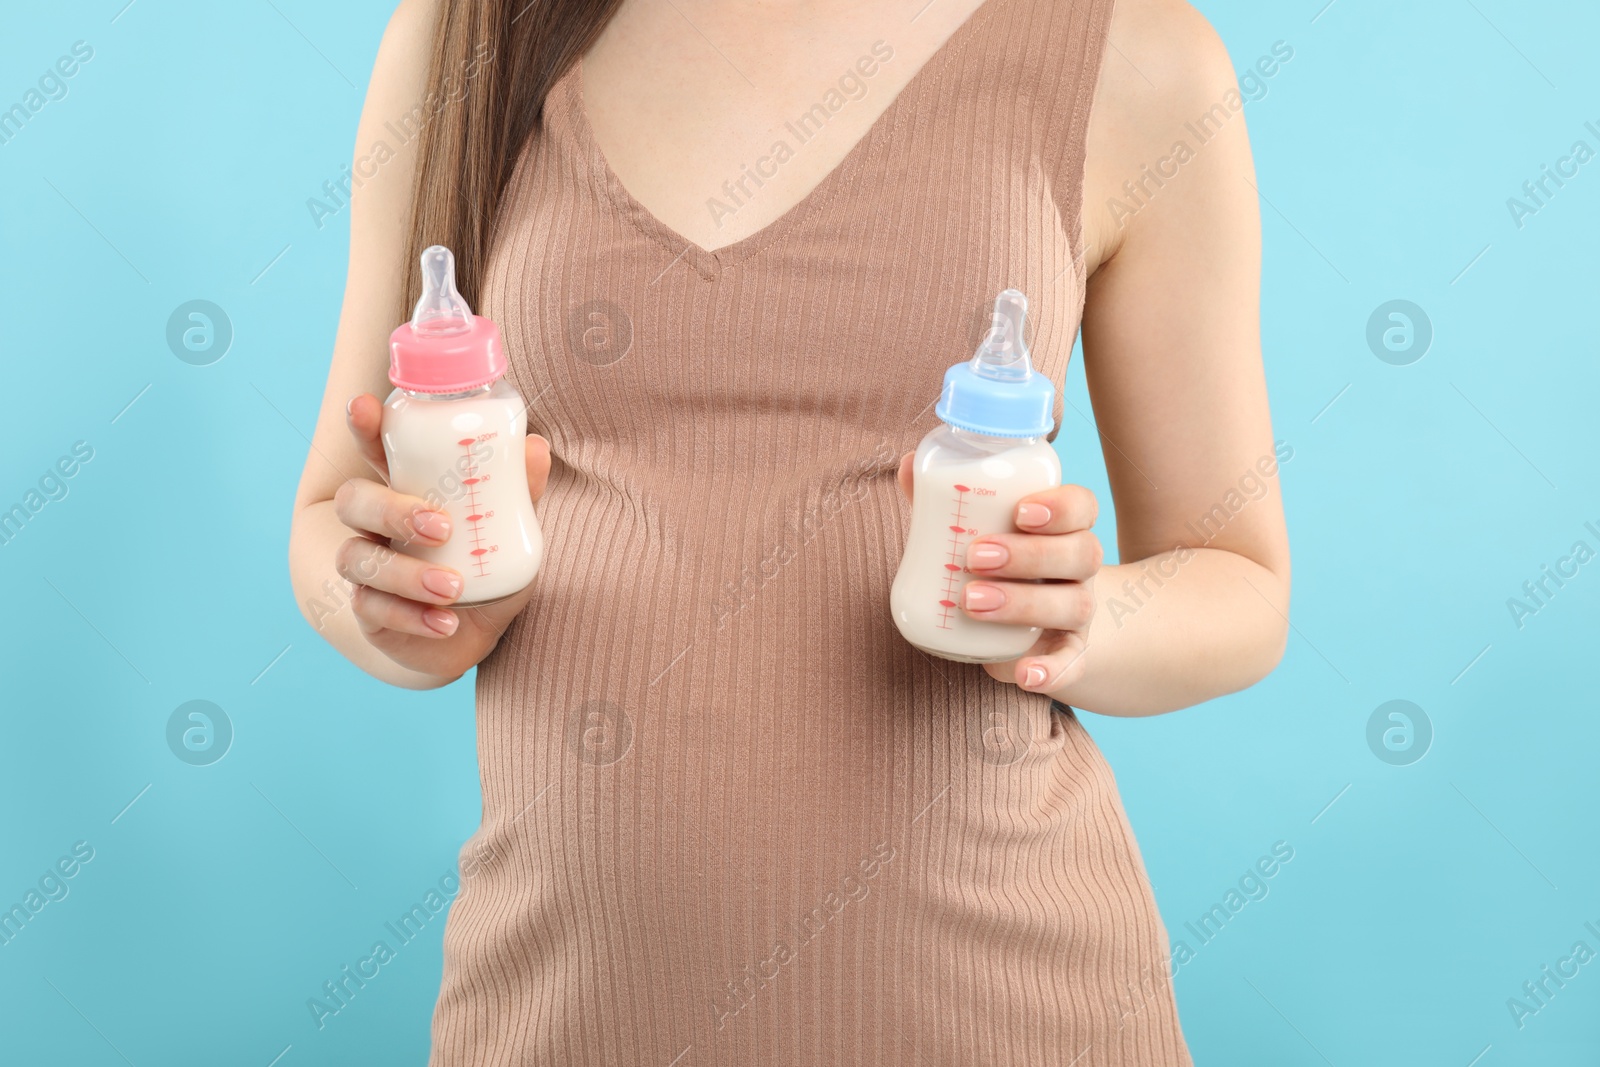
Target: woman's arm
{"x": 1172, "y": 354}
{"x": 380, "y": 219}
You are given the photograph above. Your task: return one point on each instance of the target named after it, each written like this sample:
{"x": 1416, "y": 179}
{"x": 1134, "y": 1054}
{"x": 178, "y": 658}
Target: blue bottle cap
{"x": 997, "y": 392}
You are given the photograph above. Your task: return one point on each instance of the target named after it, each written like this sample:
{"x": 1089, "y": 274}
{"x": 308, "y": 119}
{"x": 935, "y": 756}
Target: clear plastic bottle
{"x": 968, "y": 476}
{"x": 453, "y": 432}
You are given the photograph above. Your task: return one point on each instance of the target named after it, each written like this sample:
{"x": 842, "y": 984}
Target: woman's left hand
{"x": 1056, "y": 544}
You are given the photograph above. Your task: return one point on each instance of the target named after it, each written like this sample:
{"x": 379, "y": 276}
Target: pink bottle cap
{"x": 445, "y": 348}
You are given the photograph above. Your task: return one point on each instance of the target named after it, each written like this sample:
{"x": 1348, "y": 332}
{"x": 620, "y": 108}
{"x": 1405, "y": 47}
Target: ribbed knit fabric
{"x": 729, "y": 815}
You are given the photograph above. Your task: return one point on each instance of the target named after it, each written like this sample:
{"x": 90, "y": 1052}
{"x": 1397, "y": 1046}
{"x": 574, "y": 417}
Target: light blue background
{"x": 178, "y": 167}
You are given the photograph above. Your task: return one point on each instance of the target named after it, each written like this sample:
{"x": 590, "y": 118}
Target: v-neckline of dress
{"x": 709, "y": 263}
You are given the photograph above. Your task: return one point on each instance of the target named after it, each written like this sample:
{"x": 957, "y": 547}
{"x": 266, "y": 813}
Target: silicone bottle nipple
{"x": 442, "y": 311}
{"x": 1003, "y": 355}
{"x": 997, "y": 392}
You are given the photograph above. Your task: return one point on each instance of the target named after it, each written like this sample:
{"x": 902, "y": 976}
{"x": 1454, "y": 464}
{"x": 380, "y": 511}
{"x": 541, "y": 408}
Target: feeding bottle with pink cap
{"x": 968, "y": 476}
{"x": 453, "y": 431}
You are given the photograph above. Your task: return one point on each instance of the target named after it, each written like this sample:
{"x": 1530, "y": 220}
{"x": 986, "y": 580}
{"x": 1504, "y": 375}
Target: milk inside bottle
{"x": 453, "y": 431}
{"x": 968, "y": 476}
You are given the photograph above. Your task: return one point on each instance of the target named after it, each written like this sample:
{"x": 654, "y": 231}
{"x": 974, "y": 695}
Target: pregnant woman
{"x": 730, "y": 816}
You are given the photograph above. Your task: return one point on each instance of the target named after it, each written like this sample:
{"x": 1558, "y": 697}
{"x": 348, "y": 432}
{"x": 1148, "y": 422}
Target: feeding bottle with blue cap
{"x": 968, "y": 476}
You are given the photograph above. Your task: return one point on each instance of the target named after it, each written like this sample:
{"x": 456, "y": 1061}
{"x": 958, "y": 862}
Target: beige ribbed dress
{"x": 729, "y": 815}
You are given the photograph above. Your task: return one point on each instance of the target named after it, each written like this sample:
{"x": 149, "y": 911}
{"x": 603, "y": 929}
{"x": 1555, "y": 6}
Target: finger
{"x": 1052, "y": 605}
{"x": 538, "y": 457}
{"x": 904, "y": 473}
{"x": 365, "y": 505}
{"x": 364, "y": 415}
{"x": 1060, "y": 509}
{"x": 1055, "y": 662}
{"x": 376, "y": 611}
{"x": 1071, "y": 556}
{"x": 367, "y": 562}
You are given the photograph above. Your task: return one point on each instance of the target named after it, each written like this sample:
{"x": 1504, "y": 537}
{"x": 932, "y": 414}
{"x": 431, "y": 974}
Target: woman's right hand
{"x": 403, "y": 605}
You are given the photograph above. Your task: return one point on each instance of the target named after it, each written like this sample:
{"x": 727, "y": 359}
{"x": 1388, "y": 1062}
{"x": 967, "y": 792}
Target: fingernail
{"x": 983, "y": 598}
{"x": 1035, "y": 676}
{"x": 987, "y": 554}
{"x": 348, "y": 404}
{"x": 1032, "y": 515}
{"x": 431, "y": 524}
{"x": 440, "y": 621}
{"x": 441, "y": 583}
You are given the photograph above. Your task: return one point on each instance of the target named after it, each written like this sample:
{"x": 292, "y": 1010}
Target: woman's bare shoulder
{"x": 1164, "y": 66}
{"x": 407, "y": 47}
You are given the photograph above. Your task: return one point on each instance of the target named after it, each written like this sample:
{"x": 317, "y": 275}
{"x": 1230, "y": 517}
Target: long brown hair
{"x": 494, "y": 62}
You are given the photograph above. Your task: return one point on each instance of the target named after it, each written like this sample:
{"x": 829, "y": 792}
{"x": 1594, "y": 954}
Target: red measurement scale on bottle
{"x": 966, "y": 497}
{"x": 957, "y": 561}
{"x": 481, "y": 551}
